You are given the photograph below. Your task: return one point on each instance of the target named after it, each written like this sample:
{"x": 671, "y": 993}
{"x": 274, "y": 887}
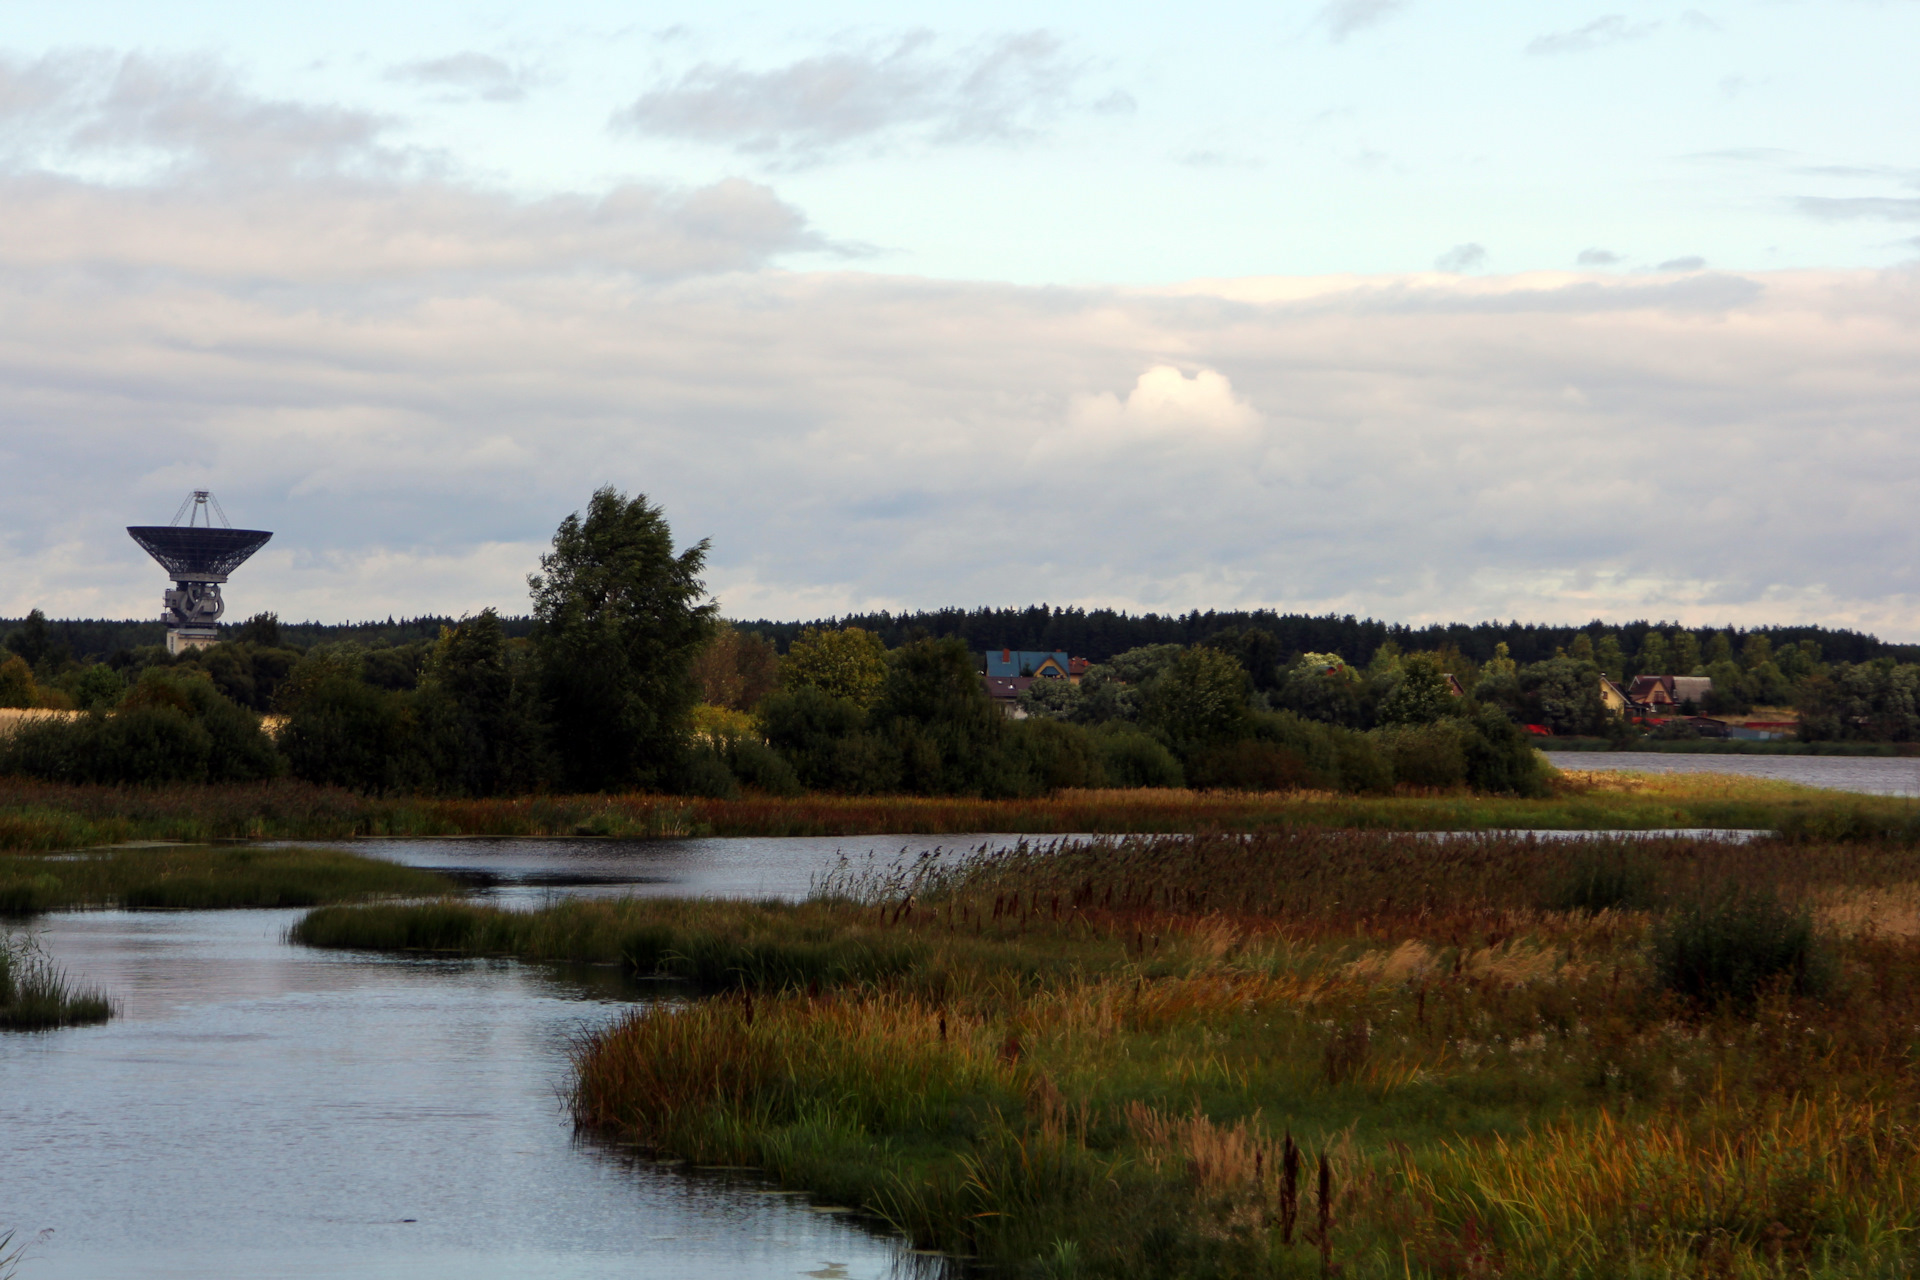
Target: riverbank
{"x": 1495, "y": 1056}
{"x": 47, "y": 817}
{"x": 204, "y": 878}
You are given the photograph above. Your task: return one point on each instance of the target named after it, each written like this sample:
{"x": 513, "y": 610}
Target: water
{"x": 261, "y": 1110}
{"x": 1875, "y": 775}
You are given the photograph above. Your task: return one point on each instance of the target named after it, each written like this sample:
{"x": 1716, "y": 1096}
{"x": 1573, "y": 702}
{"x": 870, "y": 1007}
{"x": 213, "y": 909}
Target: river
{"x": 1876, "y": 775}
{"x": 268, "y": 1111}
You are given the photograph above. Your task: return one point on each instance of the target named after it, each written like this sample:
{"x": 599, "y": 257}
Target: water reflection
{"x": 262, "y": 1110}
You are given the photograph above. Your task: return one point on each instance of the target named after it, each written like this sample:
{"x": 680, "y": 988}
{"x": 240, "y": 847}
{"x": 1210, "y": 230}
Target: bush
{"x": 1132, "y": 758}
{"x": 1603, "y": 877}
{"x": 1501, "y": 757}
{"x": 704, "y": 772}
{"x": 172, "y": 727}
{"x": 762, "y": 768}
{"x": 1061, "y": 754}
{"x": 344, "y": 732}
{"x": 1426, "y": 755}
{"x": 1732, "y": 946}
{"x": 1252, "y": 765}
{"x": 1350, "y": 760}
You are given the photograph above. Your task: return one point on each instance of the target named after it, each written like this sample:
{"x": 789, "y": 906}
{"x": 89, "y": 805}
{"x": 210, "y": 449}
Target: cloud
{"x": 1005, "y": 89}
{"x": 412, "y": 380}
{"x": 1692, "y": 262}
{"x": 1838, "y": 208}
{"x": 1598, "y": 34}
{"x": 1344, "y": 17}
{"x": 1460, "y": 258}
{"x": 467, "y": 74}
{"x": 1597, "y": 258}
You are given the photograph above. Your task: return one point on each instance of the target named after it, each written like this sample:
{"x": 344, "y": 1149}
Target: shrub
{"x": 172, "y": 727}
{"x": 1501, "y": 756}
{"x": 1132, "y": 758}
{"x": 762, "y": 768}
{"x": 1350, "y": 760}
{"x": 1603, "y": 877}
{"x": 1061, "y": 754}
{"x": 1732, "y": 946}
{"x": 344, "y": 732}
{"x": 1252, "y": 765}
{"x": 1427, "y": 755}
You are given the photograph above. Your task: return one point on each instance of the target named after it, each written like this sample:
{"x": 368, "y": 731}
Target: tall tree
{"x": 618, "y": 620}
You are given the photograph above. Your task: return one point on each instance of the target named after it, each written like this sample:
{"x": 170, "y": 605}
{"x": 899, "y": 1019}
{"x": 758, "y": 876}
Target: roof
{"x": 1007, "y": 688}
{"x": 1691, "y": 688}
{"x": 1017, "y": 662}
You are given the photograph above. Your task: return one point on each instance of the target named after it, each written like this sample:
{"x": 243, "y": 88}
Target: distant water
{"x": 1875, "y": 775}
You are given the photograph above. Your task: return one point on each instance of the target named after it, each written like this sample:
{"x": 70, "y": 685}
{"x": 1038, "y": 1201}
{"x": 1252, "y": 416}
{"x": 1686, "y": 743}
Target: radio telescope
{"x": 198, "y": 557}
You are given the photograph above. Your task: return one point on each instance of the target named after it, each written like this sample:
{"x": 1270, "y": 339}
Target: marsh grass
{"x": 36, "y": 994}
{"x": 204, "y": 877}
{"x": 38, "y": 816}
{"x": 1134, "y": 1057}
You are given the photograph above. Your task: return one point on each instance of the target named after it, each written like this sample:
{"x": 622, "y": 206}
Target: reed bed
{"x": 36, "y": 994}
{"x": 1277, "y": 1054}
{"x": 204, "y": 878}
{"x": 37, "y": 816}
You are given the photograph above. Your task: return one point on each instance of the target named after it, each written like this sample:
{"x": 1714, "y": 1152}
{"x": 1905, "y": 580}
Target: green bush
{"x": 1351, "y": 760}
{"x": 762, "y": 768}
{"x": 1603, "y": 876}
{"x": 1426, "y": 755}
{"x": 1733, "y": 945}
{"x": 704, "y": 772}
{"x": 171, "y": 727}
{"x": 1501, "y": 757}
{"x": 1061, "y": 754}
{"x": 1252, "y": 765}
{"x": 1130, "y": 757}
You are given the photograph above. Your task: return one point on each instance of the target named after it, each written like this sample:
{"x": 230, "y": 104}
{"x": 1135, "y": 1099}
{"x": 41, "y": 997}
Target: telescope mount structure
{"x": 198, "y": 557}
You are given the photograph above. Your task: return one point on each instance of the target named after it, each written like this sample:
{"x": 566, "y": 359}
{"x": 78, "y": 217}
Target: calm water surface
{"x": 1877, "y": 775}
{"x": 264, "y": 1110}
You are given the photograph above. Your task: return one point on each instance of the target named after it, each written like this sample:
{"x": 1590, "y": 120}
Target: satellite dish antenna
{"x": 198, "y": 557}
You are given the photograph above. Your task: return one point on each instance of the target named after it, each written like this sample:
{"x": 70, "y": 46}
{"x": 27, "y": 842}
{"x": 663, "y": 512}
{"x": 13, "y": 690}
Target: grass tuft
{"x": 36, "y": 994}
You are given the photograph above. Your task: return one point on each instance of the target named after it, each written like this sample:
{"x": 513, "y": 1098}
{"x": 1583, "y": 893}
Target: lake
{"x": 1876, "y": 775}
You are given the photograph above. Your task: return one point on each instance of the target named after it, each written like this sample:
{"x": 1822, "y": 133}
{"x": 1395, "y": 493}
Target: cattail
{"x": 1325, "y": 1226}
{"x": 1289, "y": 1188}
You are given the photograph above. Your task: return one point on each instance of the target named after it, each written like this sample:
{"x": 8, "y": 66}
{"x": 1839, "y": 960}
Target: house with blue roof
{"x": 1010, "y": 663}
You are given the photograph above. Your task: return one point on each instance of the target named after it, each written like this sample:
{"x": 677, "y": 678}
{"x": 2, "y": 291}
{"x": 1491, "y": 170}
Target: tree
{"x": 736, "y": 670}
{"x": 617, "y": 622}
{"x": 1654, "y": 658}
{"x": 1422, "y": 695}
{"x": 1686, "y": 654}
{"x": 950, "y": 736}
{"x": 261, "y": 629}
{"x": 1200, "y": 699}
{"x": 478, "y": 721}
{"x": 1610, "y": 657}
{"x": 849, "y": 663}
{"x": 32, "y": 641}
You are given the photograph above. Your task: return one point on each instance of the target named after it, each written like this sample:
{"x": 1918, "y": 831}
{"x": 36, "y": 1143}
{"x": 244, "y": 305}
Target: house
{"x": 1453, "y": 685}
{"x": 1005, "y": 692}
{"x": 1016, "y": 663}
{"x": 1655, "y": 694}
{"x": 1077, "y": 667}
{"x": 1614, "y": 698}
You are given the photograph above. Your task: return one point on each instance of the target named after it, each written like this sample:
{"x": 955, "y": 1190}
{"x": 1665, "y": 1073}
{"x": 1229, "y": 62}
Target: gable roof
{"x": 1022, "y": 662}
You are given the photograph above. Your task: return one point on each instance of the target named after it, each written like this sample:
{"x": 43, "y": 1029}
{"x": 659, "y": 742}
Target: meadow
{"x": 1289, "y": 1053}
{"x": 38, "y": 816}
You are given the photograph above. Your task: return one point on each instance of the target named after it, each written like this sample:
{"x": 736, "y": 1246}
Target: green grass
{"x": 203, "y": 877}
{"x": 1089, "y": 1059}
{"x": 35, "y": 994}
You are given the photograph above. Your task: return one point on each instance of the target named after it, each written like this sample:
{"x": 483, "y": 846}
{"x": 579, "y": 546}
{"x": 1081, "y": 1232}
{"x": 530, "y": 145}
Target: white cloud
{"x": 1004, "y": 89}
{"x": 412, "y": 380}
{"x": 1344, "y": 17}
{"x": 467, "y": 74}
{"x": 1598, "y": 34}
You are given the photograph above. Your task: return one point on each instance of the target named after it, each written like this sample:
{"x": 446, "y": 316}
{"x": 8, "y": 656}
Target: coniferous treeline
{"x": 1100, "y": 634}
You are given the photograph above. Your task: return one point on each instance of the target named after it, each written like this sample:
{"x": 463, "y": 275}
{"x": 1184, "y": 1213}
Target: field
{"x": 1290, "y": 1053}
{"x": 45, "y": 817}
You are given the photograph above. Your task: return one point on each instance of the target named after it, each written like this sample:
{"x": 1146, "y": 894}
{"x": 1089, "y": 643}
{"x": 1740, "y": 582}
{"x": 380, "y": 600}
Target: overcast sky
{"x": 1547, "y": 311}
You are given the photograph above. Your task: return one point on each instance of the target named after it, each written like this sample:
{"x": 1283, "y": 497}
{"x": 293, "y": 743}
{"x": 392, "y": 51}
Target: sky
{"x": 1423, "y": 311}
